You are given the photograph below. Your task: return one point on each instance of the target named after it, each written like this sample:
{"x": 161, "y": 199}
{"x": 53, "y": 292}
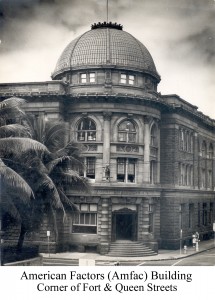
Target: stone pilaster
{"x": 196, "y": 174}
{"x": 106, "y": 143}
{"x": 104, "y": 226}
{"x": 146, "y": 165}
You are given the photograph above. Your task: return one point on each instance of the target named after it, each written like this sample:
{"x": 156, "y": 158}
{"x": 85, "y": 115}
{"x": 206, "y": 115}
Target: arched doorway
{"x": 124, "y": 225}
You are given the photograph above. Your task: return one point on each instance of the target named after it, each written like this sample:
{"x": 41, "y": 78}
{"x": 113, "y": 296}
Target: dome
{"x": 105, "y": 44}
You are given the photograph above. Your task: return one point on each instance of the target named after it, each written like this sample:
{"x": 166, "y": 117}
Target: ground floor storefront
{"x": 159, "y": 219}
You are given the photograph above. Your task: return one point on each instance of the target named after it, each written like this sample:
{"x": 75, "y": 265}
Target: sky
{"x": 179, "y": 34}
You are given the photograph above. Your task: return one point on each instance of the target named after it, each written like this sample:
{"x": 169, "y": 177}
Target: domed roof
{"x": 105, "y": 45}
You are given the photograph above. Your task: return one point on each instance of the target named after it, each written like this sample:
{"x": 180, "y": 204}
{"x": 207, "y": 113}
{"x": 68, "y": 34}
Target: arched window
{"x": 210, "y": 151}
{"x": 203, "y": 149}
{"x": 86, "y": 130}
{"x": 153, "y": 136}
{"x": 181, "y": 140}
{"x": 127, "y": 132}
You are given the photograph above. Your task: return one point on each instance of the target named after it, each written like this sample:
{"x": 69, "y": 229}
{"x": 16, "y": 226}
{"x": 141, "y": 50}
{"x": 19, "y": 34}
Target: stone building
{"x": 149, "y": 157}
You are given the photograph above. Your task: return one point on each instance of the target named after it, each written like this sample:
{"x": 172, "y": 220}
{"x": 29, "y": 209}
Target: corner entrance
{"x": 124, "y": 226}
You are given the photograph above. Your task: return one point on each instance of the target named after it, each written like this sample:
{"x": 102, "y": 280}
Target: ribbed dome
{"x": 105, "y": 46}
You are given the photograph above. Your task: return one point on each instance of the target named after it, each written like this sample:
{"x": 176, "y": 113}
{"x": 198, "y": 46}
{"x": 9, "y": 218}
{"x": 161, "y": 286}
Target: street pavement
{"x": 163, "y": 255}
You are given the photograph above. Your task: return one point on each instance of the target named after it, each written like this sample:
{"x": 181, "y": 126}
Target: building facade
{"x": 149, "y": 157}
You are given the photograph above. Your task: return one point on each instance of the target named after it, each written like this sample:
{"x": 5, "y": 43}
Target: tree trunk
{"x": 21, "y": 240}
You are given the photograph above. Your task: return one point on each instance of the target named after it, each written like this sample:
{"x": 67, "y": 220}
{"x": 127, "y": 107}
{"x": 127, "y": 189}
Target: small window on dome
{"x": 92, "y": 77}
{"x": 127, "y": 79}
{"x": 83, "y": 78}
{"x": 123, "y": 78}
{"x": 131, "y": 79}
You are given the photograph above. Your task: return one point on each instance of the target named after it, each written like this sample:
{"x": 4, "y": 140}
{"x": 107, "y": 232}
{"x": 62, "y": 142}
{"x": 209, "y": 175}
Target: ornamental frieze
{"x": 89, "y": 148}
{"x": 127, "y": 148}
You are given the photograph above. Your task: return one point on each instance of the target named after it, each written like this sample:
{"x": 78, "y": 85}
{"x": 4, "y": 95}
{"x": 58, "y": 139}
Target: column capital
{"x": 147, "y": 119}
{"x": 107, "y": 115}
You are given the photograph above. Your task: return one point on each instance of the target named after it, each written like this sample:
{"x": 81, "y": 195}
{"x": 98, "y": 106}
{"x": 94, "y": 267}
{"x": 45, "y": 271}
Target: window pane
{"x": 81, "y": 136}
{"x": 123, "y": 78}
{"x": 131, "y": 168}
{"x": 81, "y": 218}
{"x": 91, "y": 136}
{"x": 131, "y": 137}
{"x": 83, "y": 78}
{"x": 93, "y": 207}
{"x": 131, "y": 79}
{"x": 92, "y": 77}
{"x": 76, "y": 219}
{"x": 93, "y": 219}
{"x": 84, "y": 207}
{"x": 122, "y": 137}
{"x": 91, "y": 167}
{"x": 87, "y": 219}
{"x": 121, "y": 166}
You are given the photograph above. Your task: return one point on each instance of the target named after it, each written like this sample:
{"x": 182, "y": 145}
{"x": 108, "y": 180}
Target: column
{"x": 106, "y": 143}
{"x": 146, "y": 163}
{"x": 196, "y": 161}
{"x": 104, "y": 226}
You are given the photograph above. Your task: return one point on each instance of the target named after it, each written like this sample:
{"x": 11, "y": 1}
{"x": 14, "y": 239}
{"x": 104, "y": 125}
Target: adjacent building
{"x": 149, "y": 157}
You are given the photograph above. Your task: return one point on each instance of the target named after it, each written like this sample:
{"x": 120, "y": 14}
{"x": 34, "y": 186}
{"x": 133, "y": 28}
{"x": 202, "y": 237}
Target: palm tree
{"x": 45, "y": 168}
{"x": 14, "y": 142}
{"x": 64, "y": 162}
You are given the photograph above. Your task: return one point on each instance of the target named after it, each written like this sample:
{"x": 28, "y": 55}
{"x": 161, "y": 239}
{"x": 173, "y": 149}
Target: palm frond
{"x": 74, "y": 208}
{"x": 10, "y": 108}
{"x": 55, "y": 135}
{"x": 12, "y": 102}
{"x": 14, "y": 130}
{"x": 54, "y": 197}
{"x": 14, "y": 181}
{"x": 57, "y": 161}
{"x": 19, "y": 145}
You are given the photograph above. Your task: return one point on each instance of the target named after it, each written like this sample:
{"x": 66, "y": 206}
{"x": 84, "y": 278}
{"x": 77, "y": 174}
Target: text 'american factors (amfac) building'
{"x": 149, "y": 157}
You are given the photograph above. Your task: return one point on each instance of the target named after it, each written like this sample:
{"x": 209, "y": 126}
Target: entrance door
{"x": 124, "y": 226}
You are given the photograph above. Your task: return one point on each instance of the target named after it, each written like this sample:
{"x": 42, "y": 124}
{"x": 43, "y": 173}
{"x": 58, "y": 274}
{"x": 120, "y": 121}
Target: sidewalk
{"x": 162, "y": 254}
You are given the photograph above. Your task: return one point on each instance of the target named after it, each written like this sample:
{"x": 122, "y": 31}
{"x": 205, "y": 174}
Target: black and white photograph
{"x": 107, "y": 138}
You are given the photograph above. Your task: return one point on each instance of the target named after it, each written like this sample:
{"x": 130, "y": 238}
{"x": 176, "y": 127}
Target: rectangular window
{"x": 181, "y": 174}
{"x": 90, "y": 172}
{"x": 86, "y": 220}
{"x": 83, "y": 78}
{"x": 131, "y": 170}
{"x": 211, "y": 213}
{"x": 126, "y": 170}
{"x": 182, "y": 216}
{"x": 203, "y": 181}
{"x": 151, "y": 218}
{"x": 153, "y": 171}
{"x": 199, "y": 214}
{"x": 191, "y": 213}
{"x": 210, "y": 179}
{"x": 123, "y": 78}
{"x": 204, "y": 215}
{"x": 131, "y": 79}
{"x": 92, "y": 77}
{"x": 121, "y": 169}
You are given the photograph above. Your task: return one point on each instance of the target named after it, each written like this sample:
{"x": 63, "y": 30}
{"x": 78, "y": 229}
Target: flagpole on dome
{"x": 107, "y": 11}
